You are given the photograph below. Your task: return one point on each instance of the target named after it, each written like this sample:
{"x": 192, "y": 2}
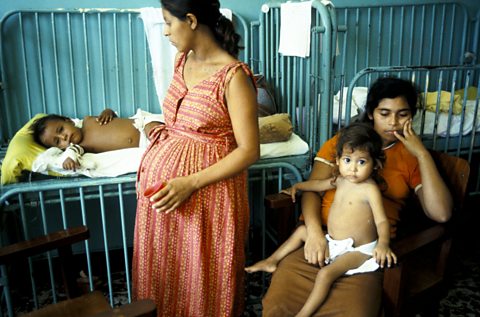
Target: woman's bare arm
{"x": 434, "y": 195}
{"x": 315, "y": 243}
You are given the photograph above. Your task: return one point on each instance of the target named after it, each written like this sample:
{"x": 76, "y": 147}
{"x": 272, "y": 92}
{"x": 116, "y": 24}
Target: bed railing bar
{"x": 86, "y": 242}
{"x": 40, "y": 70}
{"x": 55, "y": 59}
{"x": 25, "y": 65}
{"x": 105, "y": 244}
{"x": 26, "y": 235}
{"x": 101, "y": 59}
{"x": 390, "y": 36}
{"x": 449, "y": 39}
{"x": 279, "y": 70}
{"x": 146, "y": 67}
{"x": 48, "y": 253}
{"x": 124, "y": 241}
{"x": 412, "y": 32}
{"x": 432, "y": 28}
{"x": 6, "y": 291}
{"x": 254, "y": 59}
{"x": 424, "y": 102}
{"x": 117, "y": 64}
{"x": 462, "y": 114}
{"x": 442, "y": 31}
{"x": 262, "y": 215}
{"x": 87, "y": 63}
{"x": 357, "y": 41}
{"x": 327, "y": 64}
{"x": 437, "y": 110}
{"x": 132, "y": 66}
{"x": 72, "y": 65}
{"x": 475, "y": 122}
{"x": 401, "y": 35}
{"x": 422, "y": 34}
{"x": 62, "y": 208}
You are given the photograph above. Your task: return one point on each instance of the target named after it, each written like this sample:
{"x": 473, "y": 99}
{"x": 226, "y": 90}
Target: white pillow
{"x": 294, "y": 146}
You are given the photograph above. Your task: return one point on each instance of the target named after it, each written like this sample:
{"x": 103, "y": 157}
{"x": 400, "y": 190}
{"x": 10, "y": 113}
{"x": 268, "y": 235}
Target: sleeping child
{"x": 69, "y": 139}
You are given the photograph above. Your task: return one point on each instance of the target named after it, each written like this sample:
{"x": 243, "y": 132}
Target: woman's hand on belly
{"x": 173, "y": 194}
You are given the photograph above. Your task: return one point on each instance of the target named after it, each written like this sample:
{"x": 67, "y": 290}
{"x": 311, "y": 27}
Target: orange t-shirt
{"x": 401, "y": 173}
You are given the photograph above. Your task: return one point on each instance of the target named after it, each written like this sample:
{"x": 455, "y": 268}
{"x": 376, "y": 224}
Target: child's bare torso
{"x": 350, "y": 215}
{"x": 115, "y": 135}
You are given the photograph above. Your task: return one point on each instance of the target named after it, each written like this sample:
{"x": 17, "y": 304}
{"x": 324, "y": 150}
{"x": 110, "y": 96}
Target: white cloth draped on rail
{"x": 296, "y": 19}
{"x": 162, "y": 52}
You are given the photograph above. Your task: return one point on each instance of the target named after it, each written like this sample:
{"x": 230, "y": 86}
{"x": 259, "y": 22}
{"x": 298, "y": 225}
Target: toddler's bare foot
{"x": 266, "y": 265}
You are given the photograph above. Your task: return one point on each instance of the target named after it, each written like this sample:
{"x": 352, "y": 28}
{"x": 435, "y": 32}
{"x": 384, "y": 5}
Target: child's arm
{"x": 382, "y": 251}
{"x": 70, "y": 164}
{"x": 71, "y": 157}
{"x": 106, "y": 116}
{"x": 314, "y": 185}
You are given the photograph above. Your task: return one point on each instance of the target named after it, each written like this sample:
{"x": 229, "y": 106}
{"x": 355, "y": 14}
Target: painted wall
{"x": 248, "y": 8}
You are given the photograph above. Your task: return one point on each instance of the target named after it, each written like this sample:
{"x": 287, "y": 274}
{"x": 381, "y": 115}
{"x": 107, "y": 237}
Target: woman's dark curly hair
{"x": 362, "y": 136}
{"x": 208, "y": 13}
{"x": 389, "y": 87}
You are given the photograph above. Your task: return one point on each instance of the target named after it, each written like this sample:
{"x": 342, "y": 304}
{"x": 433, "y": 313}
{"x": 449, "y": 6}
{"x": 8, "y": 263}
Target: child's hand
{"x": 382, "y": 253}
{"x": 106, "y": 116}
{"x": 291, "y": 191}
{"x": 70, "y": 164}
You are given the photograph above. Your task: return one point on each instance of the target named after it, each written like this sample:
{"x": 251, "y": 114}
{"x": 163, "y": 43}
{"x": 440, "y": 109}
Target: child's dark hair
{"x": 389, "y": 87}
{"x": 208, "y": 13}
{"x": 38, "y": 126}
{"x": 362, "y": 136}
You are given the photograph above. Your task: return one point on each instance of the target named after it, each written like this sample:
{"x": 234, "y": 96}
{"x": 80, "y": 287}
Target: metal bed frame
{"x": 437, "y": 79}
{"x": 99, "y": 59}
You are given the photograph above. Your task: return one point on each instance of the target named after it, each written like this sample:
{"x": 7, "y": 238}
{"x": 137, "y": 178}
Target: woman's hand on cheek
{"x": 411, "y": 140}
{"x": 175, "y": 192}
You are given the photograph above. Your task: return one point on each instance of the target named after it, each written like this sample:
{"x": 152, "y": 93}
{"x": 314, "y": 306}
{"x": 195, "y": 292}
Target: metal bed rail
{"x": 398, "y": 34}
{"x": 77, "y": 62}
{"x": 300, "y": 85}
{"x": 460, "y": 134}
{"x": 107, "y": 207}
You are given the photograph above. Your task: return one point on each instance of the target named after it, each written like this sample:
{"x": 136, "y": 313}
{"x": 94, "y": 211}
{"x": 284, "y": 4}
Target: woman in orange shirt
{"x": 391, "y": 105}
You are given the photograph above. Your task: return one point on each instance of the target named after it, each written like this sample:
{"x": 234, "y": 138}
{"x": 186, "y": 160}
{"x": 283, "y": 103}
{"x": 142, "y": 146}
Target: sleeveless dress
{"x": 191, "y": 261}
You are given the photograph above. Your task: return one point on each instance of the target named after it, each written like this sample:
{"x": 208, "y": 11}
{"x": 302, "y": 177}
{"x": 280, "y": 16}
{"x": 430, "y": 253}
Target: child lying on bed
{"x": 107, "y": 132}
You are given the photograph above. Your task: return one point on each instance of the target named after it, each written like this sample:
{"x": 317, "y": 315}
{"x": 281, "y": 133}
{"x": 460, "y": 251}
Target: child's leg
{"x": 294, "y": 242}
{"x": 325, "y": 278}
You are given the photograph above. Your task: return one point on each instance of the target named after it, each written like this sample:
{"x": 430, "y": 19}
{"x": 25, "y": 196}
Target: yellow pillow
{"x": 471, "y": 93}
{"x": 21, "y": 152}
{"x": 445, "y": 96}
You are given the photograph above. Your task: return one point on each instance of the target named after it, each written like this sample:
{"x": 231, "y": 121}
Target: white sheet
{"x": 359, "y": 98}
{"x": 124, "y": 161}
{"x": 442, "y": 124}
{"x": 294, "y": 146}
{"x": 106, "y": 164}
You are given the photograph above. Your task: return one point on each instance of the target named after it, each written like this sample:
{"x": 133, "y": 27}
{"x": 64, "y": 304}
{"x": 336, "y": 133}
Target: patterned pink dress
{"x": 191, "y": 260}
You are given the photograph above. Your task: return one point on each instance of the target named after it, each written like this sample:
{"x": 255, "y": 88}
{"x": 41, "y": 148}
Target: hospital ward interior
{"x": 66, "y": 239}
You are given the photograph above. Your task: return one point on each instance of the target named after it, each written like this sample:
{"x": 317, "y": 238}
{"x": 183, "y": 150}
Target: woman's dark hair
{"x": 38, "y": 126}
{"x": 362, "y": 136}
{"x": 207, "y": 13}
{"x": 389, "y": 87}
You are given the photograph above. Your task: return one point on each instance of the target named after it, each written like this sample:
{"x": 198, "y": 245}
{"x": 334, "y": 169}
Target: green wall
{"x": 248, "y": 8}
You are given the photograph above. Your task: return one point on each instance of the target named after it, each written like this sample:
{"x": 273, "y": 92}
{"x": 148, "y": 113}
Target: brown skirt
{"x": 356, "y": 295}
